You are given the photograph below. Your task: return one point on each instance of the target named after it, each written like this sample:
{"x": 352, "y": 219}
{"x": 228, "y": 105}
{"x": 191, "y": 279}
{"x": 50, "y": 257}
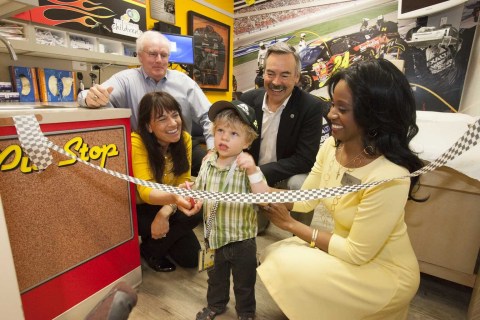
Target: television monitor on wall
{"x": 181, "y": 48}
{"x": 419, "y": 8}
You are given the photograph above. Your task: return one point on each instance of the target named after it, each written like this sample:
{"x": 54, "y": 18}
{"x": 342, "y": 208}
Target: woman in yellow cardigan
{"x": 162, "y": 153}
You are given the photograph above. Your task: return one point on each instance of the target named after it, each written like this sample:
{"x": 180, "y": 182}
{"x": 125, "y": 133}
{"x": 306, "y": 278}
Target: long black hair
{"x": 154, "y": 105}
{"x": 384, "y": 106}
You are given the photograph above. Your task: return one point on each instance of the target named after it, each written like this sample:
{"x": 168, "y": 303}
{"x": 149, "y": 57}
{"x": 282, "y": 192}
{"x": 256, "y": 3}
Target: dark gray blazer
{"x": 298, "y": 137}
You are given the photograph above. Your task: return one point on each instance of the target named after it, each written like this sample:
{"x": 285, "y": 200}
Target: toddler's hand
{"x": 245, "y": 161}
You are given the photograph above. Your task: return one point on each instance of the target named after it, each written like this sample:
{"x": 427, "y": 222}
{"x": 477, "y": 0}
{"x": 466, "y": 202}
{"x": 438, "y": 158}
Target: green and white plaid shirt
{"x": 234, "y": 221}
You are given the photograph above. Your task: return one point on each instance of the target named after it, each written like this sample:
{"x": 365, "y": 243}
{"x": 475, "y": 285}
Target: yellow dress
{"x": 370, "y": 270}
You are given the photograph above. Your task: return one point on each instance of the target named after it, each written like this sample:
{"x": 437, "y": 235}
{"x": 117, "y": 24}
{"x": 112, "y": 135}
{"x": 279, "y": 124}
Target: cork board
{"x": 70, "y": 213}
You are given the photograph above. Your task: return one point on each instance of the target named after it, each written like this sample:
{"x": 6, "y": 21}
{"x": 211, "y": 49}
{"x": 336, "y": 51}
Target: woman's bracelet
{"x": 314, "y": 238}
{"x": 256, "y": 177}
{"x": 174, "y": 208}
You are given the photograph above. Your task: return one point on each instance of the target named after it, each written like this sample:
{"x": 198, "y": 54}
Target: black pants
{"x": 239, "y": 258}
{"x": 181, "y": 243}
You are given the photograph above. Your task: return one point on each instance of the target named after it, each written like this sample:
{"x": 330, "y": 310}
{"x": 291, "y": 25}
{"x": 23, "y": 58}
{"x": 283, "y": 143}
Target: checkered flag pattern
{"x": 33, "y": 141}
{"x": 469, "y": 139}
{"x": 464, "y": 143}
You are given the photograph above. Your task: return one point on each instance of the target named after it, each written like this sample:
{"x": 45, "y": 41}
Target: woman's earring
{"x": 372, "y": 133}
{"x": 369, "y": 150}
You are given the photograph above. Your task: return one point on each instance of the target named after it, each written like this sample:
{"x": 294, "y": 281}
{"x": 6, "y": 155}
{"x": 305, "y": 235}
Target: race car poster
{"x": 433, "y": 51}
{"x": 121, "y": 19}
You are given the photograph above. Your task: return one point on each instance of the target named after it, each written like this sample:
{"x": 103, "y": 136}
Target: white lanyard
{"x": 211, "y": 217}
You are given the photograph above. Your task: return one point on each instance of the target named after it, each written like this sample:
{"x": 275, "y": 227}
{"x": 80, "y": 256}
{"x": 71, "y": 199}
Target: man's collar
{"x": 146, "y": 76}
{"x": 282, "y": 106}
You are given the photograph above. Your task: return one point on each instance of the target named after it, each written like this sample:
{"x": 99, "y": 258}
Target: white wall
{"x": 470, "y": 103}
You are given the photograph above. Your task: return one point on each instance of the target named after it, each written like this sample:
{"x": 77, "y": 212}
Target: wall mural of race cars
{"x": 436, "y": 61}
{"x": 433, "y": 58}
{"x": 322, "y": 58}
{"x": 434, "y": 55}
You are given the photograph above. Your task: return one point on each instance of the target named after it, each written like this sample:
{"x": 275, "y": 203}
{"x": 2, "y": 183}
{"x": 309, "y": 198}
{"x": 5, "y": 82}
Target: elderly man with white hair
{"x": 126, "y": 88}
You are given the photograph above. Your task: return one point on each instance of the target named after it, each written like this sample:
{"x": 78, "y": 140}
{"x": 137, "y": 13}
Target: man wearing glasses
{"x": 126, "y": 88}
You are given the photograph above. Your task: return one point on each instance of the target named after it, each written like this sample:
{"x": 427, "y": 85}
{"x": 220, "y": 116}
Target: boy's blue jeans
{"x": 239, "y": 258}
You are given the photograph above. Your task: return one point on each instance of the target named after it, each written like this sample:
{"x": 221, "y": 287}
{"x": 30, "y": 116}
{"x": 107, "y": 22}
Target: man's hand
{"x": 97, "y": 96}
{"x": 208, "y": 153}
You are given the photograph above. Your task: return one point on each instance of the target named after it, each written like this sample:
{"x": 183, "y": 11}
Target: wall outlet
{"x": 80, "y": 66}
{"x": 443, "y": 21}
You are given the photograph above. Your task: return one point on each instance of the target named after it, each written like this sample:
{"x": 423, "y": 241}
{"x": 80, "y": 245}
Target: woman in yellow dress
{"x": 365, "y": 268}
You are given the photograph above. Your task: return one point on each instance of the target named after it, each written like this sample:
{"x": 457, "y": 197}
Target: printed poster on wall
{"x": 163, "y": 10}
{"x": 121, "y": 19}
{"x": 433, "y": 53}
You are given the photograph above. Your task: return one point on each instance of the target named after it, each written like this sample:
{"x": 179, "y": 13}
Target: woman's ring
{"x": 95, "y": 97}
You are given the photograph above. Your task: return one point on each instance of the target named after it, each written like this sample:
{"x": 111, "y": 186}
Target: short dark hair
{"x": 284, "y": 48}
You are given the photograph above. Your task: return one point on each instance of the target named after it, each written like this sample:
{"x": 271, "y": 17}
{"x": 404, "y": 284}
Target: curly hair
{"x": 154, "y": 105}
{"x": 384, "y": 107}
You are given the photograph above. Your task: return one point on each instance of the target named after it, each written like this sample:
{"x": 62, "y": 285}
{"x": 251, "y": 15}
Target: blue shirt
{"x": 131, "y": 85}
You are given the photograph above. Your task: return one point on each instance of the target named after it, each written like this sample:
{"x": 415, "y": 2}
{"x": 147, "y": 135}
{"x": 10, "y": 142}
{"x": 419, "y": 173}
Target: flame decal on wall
{"x": 91, "y": 13}
{"x": 121, "y": 19}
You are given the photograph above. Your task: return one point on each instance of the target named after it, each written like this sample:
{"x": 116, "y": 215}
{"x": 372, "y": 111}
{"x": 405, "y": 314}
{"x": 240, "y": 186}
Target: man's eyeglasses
{"x": 154, "y": 55}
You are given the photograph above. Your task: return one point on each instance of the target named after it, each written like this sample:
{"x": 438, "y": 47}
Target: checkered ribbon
{"x": 33, "y": 144}
{"x": 469, "y": 139}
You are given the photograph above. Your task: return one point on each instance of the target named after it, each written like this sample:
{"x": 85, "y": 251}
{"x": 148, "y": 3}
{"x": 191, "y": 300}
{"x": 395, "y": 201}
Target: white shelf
{"x": 110, "y": 46}
{"x": 50, "y": 37}
{"x": 82, "y": 42}
{"x": 103, "y": 50}
{"x": 11, "y": 7}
